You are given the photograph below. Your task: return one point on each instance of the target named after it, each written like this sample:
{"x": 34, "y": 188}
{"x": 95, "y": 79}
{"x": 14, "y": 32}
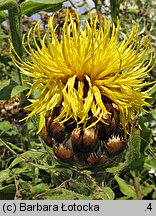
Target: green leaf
{"x": 134, "y": 11}
{"x": 14, "y": 147}
{"x": 141, "y": 27}
{"x": 16, "y": 161}
{"x": 150, "y": 164}
{"x": 5, "y": 126}
{"x": 3, "y": 16}
{"x": 7, "y": 192}
{"x": 14, "y": 16}
{"x": 154, "y": 195}
{"x": 31, "y": 7}
{"x": 116, "y": 169}
{"x": 23, "y": 170}
{"x": 6, "y": 89}
{"x": 153, "y": 113}
{"x": 8, "y": 188}
{"x": 18, "y": 89}
{"x": 135, "y": 142}
{"x": 145, "y": 190}
{"x": 138, "y": 164}
{"x": 31, "y": 155}
{"x": 7, "y": 4}
{"x": 146, "y": 133}
{"x": 48, "y": 1}
{"x": 4, "y": 83}
{"x": 4, "y": 175}
{"x": 125, "y": 188}
{"x": 106, "y": 194}
{"x": 134, "y": 149}
{"x": 77, "y": 186}
{"x": 40, "y": 188}
{"x": 63, "y": 194}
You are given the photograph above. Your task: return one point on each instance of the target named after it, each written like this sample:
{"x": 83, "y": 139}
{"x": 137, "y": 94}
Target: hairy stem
{"x": 137, "y": 186}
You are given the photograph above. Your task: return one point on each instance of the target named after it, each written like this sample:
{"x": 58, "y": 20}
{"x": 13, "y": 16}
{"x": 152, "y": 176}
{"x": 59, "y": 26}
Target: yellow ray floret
{"x": 91, "y": 54}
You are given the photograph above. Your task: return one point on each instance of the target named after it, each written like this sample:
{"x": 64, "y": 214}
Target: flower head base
{"x": 88, "y": 73}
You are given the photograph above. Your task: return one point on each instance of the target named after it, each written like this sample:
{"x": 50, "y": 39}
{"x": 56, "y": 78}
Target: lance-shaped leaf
{"x": 135, "y": 158}
{"x": 7, "y": 4}
{"x": 31, "y": 7}
{"x": 135, "y": 143}
{"x": 125, "y": 188}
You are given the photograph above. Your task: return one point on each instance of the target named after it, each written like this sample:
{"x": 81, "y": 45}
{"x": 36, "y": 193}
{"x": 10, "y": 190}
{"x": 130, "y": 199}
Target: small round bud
{"x": 84, "y": 140}
{"x": 63, "y": 153}
{"x": 115, "y": 145}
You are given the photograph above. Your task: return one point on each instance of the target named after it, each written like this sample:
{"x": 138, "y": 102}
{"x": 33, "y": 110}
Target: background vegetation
{"x": 28, "y": 168}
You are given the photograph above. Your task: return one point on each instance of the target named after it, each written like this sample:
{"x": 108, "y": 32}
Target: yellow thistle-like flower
{"x": 91, "y": 57}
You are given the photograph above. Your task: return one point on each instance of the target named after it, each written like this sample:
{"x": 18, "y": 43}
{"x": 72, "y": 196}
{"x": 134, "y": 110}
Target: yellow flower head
{"x": 87, "y": 64}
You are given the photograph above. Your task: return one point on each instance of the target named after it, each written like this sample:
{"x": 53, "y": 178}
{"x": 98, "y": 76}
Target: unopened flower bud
{"x": 84, "y": 140}
{"x": 57, "y": 131}
{"x": 63, "y": 153}
{"x": 115, "y": 145}
{"x": 94, "y": 159}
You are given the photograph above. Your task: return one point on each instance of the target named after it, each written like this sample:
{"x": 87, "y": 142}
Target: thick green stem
{"x": 14, "y": 15}
{"x": 114, "y": 6}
